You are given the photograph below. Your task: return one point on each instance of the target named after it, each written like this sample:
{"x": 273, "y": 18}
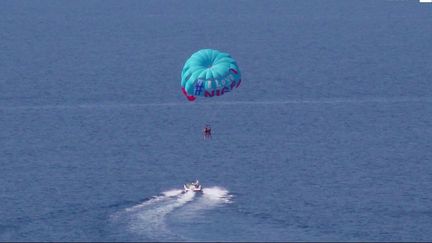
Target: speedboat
{"x": 193, "y": 186}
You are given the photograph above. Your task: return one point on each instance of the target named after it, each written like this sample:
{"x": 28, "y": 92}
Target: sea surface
{"x": 329, "y": 137}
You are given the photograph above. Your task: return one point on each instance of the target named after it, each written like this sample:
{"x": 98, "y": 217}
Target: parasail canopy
{"x": 209, "y": 73}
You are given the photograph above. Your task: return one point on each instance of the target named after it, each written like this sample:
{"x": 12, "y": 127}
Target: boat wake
{"x": 151, "y": 219}
{"x": 194, "y": 212}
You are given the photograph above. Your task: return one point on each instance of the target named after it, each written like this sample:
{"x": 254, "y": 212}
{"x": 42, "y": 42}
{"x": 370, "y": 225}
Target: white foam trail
{"x": 149, "y": 218}
{"x": 212, "y": 197}
{"x": 144, "y": 204}
{"x": 172, "y": 193}
{"x": 216, "y": 195}
{"x": 165, "y": 195}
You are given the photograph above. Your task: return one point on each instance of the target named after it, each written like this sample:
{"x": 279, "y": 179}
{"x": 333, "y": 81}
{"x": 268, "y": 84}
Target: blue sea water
{"x": 328, "y": 138}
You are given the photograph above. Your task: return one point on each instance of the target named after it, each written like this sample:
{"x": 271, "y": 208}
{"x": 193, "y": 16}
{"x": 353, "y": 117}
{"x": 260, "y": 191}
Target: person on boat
{"x": 207, "y": 131}
{"x": 196, "y": 184}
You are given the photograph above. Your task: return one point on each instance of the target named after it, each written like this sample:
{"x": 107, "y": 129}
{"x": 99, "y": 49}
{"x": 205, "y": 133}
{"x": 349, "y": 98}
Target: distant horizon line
{"x": 240, "y": 102}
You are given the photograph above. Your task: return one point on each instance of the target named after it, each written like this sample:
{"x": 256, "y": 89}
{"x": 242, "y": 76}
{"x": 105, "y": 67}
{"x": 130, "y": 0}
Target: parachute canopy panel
{"x": 209, "y": 73}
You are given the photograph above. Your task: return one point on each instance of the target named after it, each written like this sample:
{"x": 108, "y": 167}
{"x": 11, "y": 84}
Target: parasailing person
{"x": 207, "y": 131}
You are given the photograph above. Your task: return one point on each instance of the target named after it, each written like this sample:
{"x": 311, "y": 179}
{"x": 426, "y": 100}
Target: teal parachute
{"x": 209, "y": 73}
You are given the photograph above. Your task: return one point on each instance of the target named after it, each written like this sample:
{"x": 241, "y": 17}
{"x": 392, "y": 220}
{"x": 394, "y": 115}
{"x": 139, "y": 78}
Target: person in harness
{"x": 207, "y": 132}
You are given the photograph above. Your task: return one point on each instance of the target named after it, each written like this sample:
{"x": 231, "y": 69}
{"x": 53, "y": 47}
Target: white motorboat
{"x": 193, "y": 186}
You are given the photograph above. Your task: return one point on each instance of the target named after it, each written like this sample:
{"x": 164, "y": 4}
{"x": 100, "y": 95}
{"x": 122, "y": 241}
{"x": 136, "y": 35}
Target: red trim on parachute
{"x": 233, "y": 70}
{"x": 189, "y": 97}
